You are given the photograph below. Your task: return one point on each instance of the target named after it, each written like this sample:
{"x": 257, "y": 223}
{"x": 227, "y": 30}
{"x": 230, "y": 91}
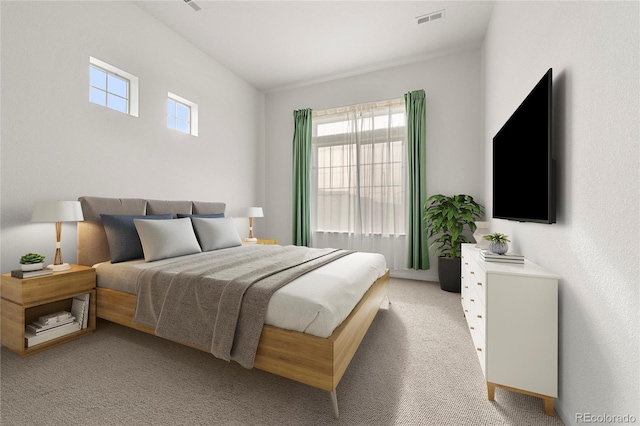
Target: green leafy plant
{"x": 497, "y": 237}
{"x": 450, "y": 216}
{"x": 31, "y": 258}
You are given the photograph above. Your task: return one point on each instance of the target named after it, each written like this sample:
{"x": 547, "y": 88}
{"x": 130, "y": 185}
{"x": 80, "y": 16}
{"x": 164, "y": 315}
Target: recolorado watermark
{"x": 605, "y": 418}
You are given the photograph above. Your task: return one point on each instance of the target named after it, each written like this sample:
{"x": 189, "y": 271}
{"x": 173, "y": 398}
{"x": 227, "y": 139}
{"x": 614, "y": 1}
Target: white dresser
{"x": 512, "y": 313}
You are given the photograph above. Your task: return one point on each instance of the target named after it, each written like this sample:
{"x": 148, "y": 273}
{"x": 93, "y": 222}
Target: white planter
{"x": 32, "y": 266}
{"x": 498, "y": 248}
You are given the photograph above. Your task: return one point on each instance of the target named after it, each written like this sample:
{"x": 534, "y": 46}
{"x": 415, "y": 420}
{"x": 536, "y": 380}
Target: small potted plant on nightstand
{"x": 497, "y": 243}
{"x": 31, "y": 262}
{"x": 450, "y": 217}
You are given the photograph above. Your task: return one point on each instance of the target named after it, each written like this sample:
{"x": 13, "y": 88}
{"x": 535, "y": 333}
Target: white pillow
{"x": 217, "y": 233}
{"x": 170, "y": 238}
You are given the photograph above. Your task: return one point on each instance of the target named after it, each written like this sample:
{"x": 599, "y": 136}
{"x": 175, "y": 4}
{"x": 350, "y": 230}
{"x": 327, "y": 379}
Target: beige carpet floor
{"x": 416, "y": 366}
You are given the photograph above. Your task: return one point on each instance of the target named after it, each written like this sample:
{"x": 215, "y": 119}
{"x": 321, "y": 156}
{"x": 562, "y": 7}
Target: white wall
{"x": 454, "y": 137}
{"x": 593, "y": 48}
{"x": 58, "y": 145}
{"x": 55, "y": 144}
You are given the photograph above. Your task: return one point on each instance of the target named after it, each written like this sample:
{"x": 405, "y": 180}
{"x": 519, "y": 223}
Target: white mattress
{"x": 315, "y": 303}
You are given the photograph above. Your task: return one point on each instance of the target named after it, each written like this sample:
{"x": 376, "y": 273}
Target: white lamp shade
{"x": 253, "y": 212}
{"x": 57, "y": 211}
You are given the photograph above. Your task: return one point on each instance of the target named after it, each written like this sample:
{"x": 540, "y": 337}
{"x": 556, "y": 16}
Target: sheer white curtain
{"x": 358, "y": 179}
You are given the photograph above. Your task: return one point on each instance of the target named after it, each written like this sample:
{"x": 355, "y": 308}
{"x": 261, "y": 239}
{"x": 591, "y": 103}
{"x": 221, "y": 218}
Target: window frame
{"x": 193, "y": 114}
{"x": 132, "y": 85}
{"x": 394, "y": 132}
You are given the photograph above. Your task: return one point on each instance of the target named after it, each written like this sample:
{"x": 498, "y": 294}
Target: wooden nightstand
{"x": 25, "y": 300}
{"x": 263, "y": 241}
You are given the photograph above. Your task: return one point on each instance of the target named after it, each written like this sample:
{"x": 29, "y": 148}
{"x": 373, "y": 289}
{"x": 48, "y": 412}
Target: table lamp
{"x": 58, "y": 212}
{"x": 252, "y": 212}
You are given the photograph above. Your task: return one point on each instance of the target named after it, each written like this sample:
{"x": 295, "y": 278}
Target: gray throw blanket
{"x": 219, "y": 299}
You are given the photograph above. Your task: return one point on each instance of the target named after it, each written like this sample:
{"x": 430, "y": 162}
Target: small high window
{"x": 182, "y": 114}
{"x": 112, "y": 87}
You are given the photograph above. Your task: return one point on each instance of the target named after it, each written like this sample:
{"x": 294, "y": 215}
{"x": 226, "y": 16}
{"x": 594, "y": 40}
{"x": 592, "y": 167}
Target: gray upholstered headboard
{"x": 92, "y": 240}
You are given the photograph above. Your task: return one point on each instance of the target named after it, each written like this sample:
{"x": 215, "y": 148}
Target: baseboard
{"x": 412, "y": 274}
{"x": 567, "y": 418}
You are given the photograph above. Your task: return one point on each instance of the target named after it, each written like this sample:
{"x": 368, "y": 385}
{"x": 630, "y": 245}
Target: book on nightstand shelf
{"x": 31, "y": 339}
{"x": 19, "y": 273}
{"x": 39, "y": 328}
{"x": 508, "y": 257}
{"x": 54, "y": 318}
{"x": 80, "y": 309}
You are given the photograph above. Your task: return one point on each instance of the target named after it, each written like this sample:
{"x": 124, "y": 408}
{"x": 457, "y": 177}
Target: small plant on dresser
{"x": 498, "y": 243}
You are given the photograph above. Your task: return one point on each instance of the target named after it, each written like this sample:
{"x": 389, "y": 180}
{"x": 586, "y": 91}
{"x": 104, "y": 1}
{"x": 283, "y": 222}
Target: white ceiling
{"x": 281, "y": 44}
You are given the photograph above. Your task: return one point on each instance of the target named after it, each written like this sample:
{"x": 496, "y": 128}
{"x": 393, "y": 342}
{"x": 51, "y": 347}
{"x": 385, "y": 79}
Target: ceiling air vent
{"x": 193, "y": 5}
{"x": 430, "y": 17}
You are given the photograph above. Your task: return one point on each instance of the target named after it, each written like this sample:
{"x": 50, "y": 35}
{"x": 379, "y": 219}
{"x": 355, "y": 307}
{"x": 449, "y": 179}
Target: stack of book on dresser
{"x": 508, "y": 257}
{"x": 58, "y": 324}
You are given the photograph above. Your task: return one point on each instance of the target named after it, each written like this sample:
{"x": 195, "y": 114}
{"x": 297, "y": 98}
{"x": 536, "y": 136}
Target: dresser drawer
{"x": 478, "y": 288}
{"x": 465, "y": 283}
{"x": 477, "y": 314}
{"x": 477, "y": 285}
{"x": 480, "y": 348}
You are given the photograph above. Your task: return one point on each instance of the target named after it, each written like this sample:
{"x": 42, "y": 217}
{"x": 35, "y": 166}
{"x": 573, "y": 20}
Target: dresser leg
{"x": 491, "y": 391}
{"x": 548, "y": 403}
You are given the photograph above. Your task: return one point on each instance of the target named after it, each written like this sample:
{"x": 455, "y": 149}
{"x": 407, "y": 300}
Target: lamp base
{"x": 61, "y": 267}
{"x": 250, "y": 240}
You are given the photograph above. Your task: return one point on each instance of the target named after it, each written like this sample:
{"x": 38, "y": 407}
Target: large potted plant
{"x": 449, "y": 218}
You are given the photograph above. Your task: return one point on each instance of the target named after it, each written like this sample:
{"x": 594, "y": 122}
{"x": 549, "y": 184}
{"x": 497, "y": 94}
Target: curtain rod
{"x": 335, "y": 110}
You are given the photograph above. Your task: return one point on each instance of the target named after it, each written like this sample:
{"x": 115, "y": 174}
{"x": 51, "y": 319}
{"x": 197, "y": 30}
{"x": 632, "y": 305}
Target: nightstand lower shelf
{"x": 25, "y": 300}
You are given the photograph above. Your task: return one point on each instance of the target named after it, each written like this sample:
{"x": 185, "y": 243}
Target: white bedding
{"x": 315, "y": 303}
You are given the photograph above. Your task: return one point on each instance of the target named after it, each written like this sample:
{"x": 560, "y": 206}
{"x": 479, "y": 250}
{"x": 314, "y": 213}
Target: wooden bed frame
{"x": 314, "y": 361}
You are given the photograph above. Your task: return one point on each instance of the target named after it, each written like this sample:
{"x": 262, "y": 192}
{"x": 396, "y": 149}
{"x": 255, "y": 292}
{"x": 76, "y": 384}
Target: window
{"x": 112, "y": 88}
{"x": 182, "y": 115}
{"x": 359, "y": 169}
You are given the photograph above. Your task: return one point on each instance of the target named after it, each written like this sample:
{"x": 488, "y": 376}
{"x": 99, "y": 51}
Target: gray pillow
{"x": 211, "y": 215}
{"x": 162, "y": 239}
{"x": 215, "y": 234}
{"x": 122, "y": 237}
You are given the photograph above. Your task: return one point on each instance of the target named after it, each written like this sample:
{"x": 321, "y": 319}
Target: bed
{"x": 319, "y": 360}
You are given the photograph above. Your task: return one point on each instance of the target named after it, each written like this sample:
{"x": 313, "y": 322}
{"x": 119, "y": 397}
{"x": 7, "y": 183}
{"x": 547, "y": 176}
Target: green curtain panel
{"x": 301, "y": 176}
{"x": 418, "y": 249}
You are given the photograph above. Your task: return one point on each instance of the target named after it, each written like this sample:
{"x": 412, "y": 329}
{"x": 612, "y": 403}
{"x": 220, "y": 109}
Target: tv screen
{"x": 523, "y": 165}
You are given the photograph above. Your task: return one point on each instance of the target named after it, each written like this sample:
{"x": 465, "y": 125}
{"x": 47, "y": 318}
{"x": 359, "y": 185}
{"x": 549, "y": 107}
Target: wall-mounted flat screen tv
{"x": 523, "y": 165}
